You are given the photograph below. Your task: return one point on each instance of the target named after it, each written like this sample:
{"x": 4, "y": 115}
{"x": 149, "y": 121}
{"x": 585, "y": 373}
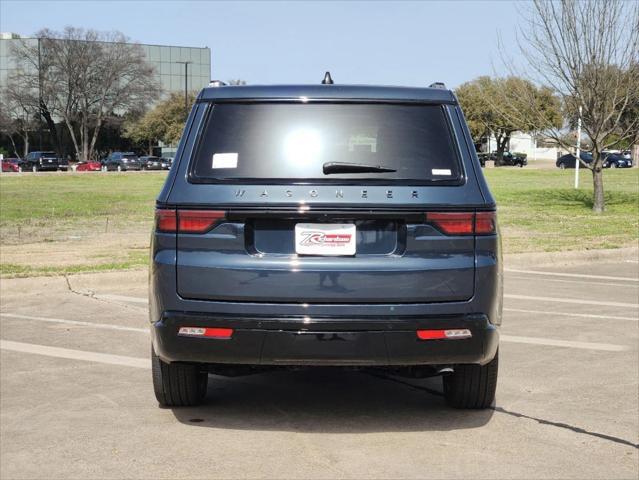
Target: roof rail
{"x": 439, "y": 85}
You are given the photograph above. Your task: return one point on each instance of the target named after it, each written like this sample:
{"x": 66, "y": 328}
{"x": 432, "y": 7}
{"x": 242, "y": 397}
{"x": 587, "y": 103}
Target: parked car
{"x": 166, "y": 163}
{"x": 41, "y": 161}
{"x": 568, "y": 160}
{"x": 514, "y": 159}
{"x": 12, "y": 165}
{"x": 616, "y": 160}
{"x": 150, "y": 163}
{"x": 332, "y": 231}
{"x": 92, "y": 166}
{"x": 122, "y": 161}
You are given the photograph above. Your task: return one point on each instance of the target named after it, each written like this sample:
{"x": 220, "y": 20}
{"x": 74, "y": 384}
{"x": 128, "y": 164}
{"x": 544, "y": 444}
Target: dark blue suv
{"x": 326, "y": 225}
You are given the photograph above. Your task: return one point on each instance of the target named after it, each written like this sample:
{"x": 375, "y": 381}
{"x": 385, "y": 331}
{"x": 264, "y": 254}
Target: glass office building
{"x": 167, "y": 60}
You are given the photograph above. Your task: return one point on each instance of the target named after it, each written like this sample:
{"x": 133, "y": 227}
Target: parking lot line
{"x": 574, "y": 281}
{"x": 551, "y": 342}
{"x": 74, "y": 322}
{"x": 572, "y": 275}
{"x": 75, "y": 354}
{"x": 576, "y": 301}
{"x": 567, "y": 314}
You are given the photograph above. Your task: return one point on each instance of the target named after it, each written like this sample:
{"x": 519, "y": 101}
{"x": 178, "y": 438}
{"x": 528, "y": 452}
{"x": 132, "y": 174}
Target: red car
{"x": 88, "y": 167}
{"x": 12, "y": 165}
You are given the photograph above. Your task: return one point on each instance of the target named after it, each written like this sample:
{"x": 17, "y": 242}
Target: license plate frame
{"x": 326, "y": 239}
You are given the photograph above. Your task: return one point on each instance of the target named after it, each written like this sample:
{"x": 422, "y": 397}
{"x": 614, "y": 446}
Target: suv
{"x": 325, "y": 226}
{"x": 122, "y": 161}
{"x": 41, "y": 161}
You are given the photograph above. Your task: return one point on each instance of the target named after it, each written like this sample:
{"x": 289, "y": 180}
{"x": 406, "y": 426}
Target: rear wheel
{"x": 177, "y": 384}
{"x": 472, "y": 386}
{"x": 562, "y": 166}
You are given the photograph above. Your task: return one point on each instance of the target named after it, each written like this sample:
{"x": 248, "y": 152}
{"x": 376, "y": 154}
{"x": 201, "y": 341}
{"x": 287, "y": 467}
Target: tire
{"x": 177, "y": 384}
{"x": 562, "y": 166}
{"x": 472, "y": 386}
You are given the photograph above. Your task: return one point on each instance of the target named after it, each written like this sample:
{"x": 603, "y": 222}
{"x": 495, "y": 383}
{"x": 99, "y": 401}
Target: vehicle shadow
{"x": 324, "y": 400}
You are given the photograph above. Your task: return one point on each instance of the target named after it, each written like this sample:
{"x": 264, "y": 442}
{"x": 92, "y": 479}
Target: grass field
{"x": 67, "y": 223}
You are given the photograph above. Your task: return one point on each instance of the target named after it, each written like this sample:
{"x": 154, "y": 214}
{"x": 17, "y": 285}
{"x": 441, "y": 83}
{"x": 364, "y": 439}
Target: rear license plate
{"x": 325, "y": 238}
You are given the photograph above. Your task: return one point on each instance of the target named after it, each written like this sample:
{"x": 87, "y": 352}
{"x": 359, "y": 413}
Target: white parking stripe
{"x": 579, "y": 315}
{"x": 572, "y": 300}
{"x": 585, "y": 282}
{"x": 74, "y": 322}
{"x": 573, "y": 275}
{"x": 75, "y": 354}
{"x": 551, "y": 342}
{"x": 121, "y": 298}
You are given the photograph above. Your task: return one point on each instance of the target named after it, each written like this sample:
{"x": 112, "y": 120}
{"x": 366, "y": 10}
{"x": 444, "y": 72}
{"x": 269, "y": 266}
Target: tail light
{"x": 220, "y": 333}
{"x": 463, "y": 223}
{"x": 187, "y": 221}
{"x": 452, "y": 334}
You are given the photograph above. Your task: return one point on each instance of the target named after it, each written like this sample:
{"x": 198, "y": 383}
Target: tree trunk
{"x": 502, "y": 141}
{"x": 598, "y": 190}
{"x": 25, "y": 137}
{"x": 53, "y": 130}
{"x": 15, "y": 149}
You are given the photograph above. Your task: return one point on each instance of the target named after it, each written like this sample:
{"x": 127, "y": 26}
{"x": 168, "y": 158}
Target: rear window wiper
{"x": 346, "y": 167}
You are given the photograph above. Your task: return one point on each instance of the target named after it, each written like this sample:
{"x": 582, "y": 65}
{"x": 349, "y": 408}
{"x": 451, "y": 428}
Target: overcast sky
{"x": 407, "y": 43}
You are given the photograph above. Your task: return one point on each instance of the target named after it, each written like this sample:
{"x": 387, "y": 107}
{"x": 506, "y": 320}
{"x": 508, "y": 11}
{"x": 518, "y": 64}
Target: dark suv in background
{"x": 326, "y": 225}
{"x": 41, "y": 162}
{"x": 122, "y": 161}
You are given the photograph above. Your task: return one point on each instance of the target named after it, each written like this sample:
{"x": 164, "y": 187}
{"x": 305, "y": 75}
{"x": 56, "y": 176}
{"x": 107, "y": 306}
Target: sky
{"x": 384, "y": 43}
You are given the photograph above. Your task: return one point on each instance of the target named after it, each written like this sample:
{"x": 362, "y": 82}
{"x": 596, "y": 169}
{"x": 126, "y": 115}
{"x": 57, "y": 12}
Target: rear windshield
{"x": 295, "y": 141}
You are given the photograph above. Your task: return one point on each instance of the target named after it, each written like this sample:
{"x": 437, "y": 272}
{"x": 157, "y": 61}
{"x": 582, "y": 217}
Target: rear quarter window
{"x": 278, "y": 142}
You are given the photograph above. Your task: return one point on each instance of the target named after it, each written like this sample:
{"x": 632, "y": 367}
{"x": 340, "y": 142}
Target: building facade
{"x": 167, "y": 60}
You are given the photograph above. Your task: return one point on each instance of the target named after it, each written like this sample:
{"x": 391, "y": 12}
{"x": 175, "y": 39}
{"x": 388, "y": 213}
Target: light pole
{"x": 186, "y": 86}
{"x": 577, "y": 156}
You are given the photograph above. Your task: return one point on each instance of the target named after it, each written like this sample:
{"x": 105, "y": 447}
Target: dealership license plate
{"x": 325, "y": 238}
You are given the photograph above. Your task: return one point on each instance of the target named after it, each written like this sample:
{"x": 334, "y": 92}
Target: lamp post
{"x": 578, "y": 153}
{"x": 186, "y": 86}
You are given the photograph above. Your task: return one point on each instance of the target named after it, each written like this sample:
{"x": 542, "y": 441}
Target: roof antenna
{"x": 327, "y": 79}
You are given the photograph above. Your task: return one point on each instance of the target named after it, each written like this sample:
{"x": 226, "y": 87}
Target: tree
{"x": 16, "y": 117}
{"x": 491, "y": 107}
{"x": 83, "y": 77}
{"x": 164, "y": 122}
{"x": 236, "y": 81}
{"x": 588, "y": 53}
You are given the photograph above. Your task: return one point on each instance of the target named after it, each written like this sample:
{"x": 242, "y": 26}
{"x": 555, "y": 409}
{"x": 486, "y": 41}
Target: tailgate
{"x": 252, "y": 257}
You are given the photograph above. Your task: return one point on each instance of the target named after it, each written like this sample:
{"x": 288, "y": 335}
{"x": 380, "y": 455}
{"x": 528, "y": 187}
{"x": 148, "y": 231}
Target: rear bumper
{"x": 325, "y": 341}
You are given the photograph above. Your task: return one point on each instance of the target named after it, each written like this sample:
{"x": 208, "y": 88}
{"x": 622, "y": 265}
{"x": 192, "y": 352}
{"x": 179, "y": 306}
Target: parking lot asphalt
{"x": 77, "y": 402}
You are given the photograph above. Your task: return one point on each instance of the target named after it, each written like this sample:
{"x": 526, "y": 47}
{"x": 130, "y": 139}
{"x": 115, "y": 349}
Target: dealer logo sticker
{"x": 325, "y": 239}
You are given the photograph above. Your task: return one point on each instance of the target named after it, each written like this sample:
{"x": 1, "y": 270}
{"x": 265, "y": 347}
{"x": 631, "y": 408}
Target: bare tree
{"x": 17, "y": 117}
{"x": 588, "y": 52}
{"x": 84, "y": 76}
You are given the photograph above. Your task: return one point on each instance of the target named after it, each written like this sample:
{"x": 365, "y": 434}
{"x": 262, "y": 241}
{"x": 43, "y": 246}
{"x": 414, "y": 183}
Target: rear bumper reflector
{"x": 454, "y": 334}
{"x": 221, "y": 333}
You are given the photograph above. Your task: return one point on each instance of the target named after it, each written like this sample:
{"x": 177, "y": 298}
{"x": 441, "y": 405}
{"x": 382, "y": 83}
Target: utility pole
{"x": 578, "y": 154}
{"x": 186, "y": 87}
{"x": 40, "y": 116}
